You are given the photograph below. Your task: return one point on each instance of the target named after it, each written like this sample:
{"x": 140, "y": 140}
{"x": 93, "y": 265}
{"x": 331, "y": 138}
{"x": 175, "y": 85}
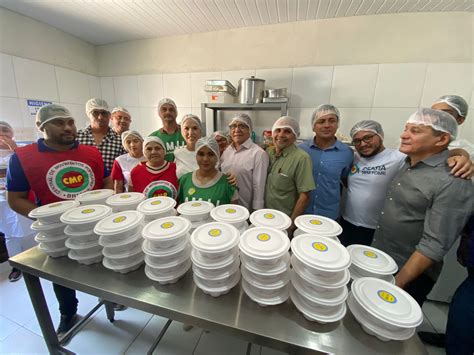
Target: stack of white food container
{"x": 215, "y": 257}
{"x": 319, "y": 277}
{"x": 197, "y": 212}
{"x": 317, "y": 225}
{"x": 51, "y": 237}
{"x": 265, "y": 265}
{"x": 235, "y": 215}
{"x": 126, "y": 201}
{"x": 383, "y": 309}
{"x": 371, "y": 262}
{"x": 157, "y": 207}
{"x": 167, "y": 249}
{"x": 270, "y": 219}
{"x": 120, "y": 235}
{"x": 82, "y": 241}
{"x": 94, "y": 197}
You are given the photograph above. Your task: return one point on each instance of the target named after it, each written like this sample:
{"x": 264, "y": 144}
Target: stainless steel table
{"x": 281, "y": 327}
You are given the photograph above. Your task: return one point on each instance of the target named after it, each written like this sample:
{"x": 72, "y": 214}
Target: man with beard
{"x": 170, "y": 133}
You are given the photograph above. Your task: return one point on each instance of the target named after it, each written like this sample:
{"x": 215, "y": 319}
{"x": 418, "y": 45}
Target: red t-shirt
{"x": 117, "y": 173}
{"x": 162, "y": 182}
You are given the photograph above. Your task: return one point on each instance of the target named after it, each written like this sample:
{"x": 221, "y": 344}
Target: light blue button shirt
{"x": 330, "y": 165}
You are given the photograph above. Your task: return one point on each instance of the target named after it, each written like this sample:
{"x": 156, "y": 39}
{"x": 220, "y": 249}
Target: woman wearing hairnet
{"x": 132, "y": 142}
{"x": 207, "y": 183}
{"x": 185, "y": 157}
{"x": 155, "y": 176}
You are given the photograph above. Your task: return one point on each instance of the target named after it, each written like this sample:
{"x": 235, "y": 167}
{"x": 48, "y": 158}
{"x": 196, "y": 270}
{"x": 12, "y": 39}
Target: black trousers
{"x": 352, "y": 234}
{"x": 67, "y": 299}
{"x": 420, "y": 288}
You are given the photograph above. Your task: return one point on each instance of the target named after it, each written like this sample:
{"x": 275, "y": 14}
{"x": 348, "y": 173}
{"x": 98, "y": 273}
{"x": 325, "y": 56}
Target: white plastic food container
{"x": 298, "y": 232}
{"x": 52, "y": 212}
{"x": 95, "y": 197}
{"x": 265, "y": 279}
{"x": 370, "y": 260}
{"x": 357, "y": 274}
{"x": 216, "y": 277}
{"x": 52, "y": 243}
{"x": 265, "y": 246}
{"x": 195, "y": 211}
{"x": 51, "y": 230}
{"x": 84, "y": 249}
{"x": 167, "y": 232}
{"x": 84, "y": 218}
{"x": 271, "y": 219}
{"x": 123, "y": 268}
{"x": 320, "y": 253}
{"x": 119, "y": 225}
{"x": 152, "y": 274}
{"x": 270, "y": 269}
{"x": 126, "y": 256}
{"x": 197, "y": 224}
{"x": 265, "y": 296}
{"x": 85, "y": 236}
{"x": 85, "y": 259}
{"x": 225, "y": 258}
{"x": 235, "y": 215}
{"x": 163, "y": 256}
{"x": 319, "y": 278}
{"x": 318, "y": 225}
{"x": 169, "y": 268}
{"x": 122, "y": 246}
{"x": 126, "y": 201}
{"x": 157, "y": 207}
{"x": 213, "y": 269}
{"x": 386, "y": 308}
{"x": 224, "y": 288}
{"x": 215, "y": 240}
{"x": 54, "y": 253}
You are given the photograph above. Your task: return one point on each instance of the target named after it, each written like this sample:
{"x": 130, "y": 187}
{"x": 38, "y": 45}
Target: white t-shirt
{"x": 368, "y": 183}
{"x": 127, "y": 163}
{"x": 185, "y": 161}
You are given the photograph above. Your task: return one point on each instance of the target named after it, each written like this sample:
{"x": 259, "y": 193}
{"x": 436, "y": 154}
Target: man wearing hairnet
{"x": 289, "y": 180}
{"x": 170, "y": 133}
{"x": 99, "y": 134}
{"x": 121, "y": 120}
{"x": 247, "y": 161}
{"x": 425, "y": 207}
{"x": 78, "y": 168}
{"x": 331, "y": 162}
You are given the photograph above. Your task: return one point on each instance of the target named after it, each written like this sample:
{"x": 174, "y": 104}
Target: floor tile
{"x": 15, "y": 302}
{"x": 178, "y": 342}
{"x": 145, "y": 339}
{"x": 437, "y": 314}
{"x": 23, "y": 341}
{"x": 214, "y": 343}
{"x": 7, "y": 327}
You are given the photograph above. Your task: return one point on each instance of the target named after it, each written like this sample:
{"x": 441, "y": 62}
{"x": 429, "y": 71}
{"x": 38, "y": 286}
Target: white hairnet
{"x": 155, "y": 139}
{"x": 96, "y": 104}
{"x": 6, "y": 124}
{"x": 120, "y": 109}
{"x": 323, "y": 110}
{"x": 167, "y": 101}
{"x": 220, "y": 134}
{"x": 129, "y": 133}
{"x": 367, "y": 125}
{"x": 438, "y": 120}
{"x": 242, "y": 118}
{"x": 209, "y": 142}
{"x": 456, "y": 102}
{"x": 192, "y": 117}
{"x": 287, "y": 122}
{"x": 51, "y": 112}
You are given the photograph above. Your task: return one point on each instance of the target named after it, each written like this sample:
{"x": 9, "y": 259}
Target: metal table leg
{"x": 40, "y": 306}
{"x": 157, "y": 341}
{"x": 109, "y": 310}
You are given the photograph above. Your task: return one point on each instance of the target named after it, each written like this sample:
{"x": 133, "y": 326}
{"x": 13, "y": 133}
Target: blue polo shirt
{"x": 330, "y": 165}
{"x": 16, "y": 178}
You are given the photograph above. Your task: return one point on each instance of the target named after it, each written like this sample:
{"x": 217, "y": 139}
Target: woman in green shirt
{"x": 207, "y": 183}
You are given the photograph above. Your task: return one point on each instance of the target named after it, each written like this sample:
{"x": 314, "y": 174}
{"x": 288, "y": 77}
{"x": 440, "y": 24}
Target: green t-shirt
{"x": 218, "y": 192}
{"x": 171, "y": 141}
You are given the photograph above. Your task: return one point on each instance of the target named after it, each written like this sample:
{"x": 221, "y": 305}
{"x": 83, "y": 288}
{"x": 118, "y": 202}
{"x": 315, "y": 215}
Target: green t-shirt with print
{"x": 172, "y": 141}
{"x": 219, "y": 193}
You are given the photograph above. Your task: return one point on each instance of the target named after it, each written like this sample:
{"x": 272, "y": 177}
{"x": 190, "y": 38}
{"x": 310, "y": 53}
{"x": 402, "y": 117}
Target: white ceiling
{"x": 109, "y": 21}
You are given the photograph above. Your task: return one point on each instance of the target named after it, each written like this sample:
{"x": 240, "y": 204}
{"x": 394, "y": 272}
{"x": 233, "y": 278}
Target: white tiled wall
{"x": 385, "y": 92}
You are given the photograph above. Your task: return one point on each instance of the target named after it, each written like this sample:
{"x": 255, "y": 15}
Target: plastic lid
{"x": 156, "y": 205}
{"x": 110, "y": 264}
{"x": 281, "y": 282}
{"x": 372, "y": 260}
{"x": 76, "y": 255}
{"x": 125, "y": 198}
{"x": 38, "y": 226}
{"x": 230, "y": 213}
{"x": 319, "y": 225}
{"x": 264, "y": 243}
{"x": 203, "y": 262}
{"x": 387, "y": 302}
{"x": 94, "y": 195}
{"x": 334, "y": 280}
{"x": 231, "y": 282}
{"x": 215, "y": 237}
{"x": 166, "y": 228}
{"x": 268, "y": 301}
{"x": 118, "y": 223}
{"x": 40, "y": 238}
{"x": 355, "y": 274}
{"x": 72, "y": 233}
{"x": 164, "y": 251}
{"x": 151, "y": 273}
{"x": 105, "y": 242}
{"x": 320, "y": 252}
{"x": 270, "y": 218}
{"x": 73, "y": 244}
{"x": 52, "y": 209}
{"x": 192, "y": 208}
{"x": 279, "y": 268}
{"x": 85, "y": 214}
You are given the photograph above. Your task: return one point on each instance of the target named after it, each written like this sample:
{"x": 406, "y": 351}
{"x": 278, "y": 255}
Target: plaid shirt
{"x": 110, "y": 147}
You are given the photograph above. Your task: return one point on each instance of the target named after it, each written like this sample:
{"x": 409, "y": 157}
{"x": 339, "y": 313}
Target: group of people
{"x": 412, "y": 203}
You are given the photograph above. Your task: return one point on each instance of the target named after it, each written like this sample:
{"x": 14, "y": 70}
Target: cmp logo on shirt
{"x": 69, "y": 178}
{"x": 160, "y": 188}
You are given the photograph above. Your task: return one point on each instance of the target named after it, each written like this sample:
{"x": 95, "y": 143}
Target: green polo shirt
{"x": 172, "y": 141}
{"x": 289, "y": 174}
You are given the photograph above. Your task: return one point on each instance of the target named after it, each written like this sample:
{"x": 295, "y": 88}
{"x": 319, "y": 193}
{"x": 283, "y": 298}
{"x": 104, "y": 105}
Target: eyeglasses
{"x": 239, "y": 126}
{"x": 97, "y": 113}
{"x": 365, "y": 139}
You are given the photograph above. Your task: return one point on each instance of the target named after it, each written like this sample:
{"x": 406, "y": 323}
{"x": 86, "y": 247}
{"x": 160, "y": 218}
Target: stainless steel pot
{"x": 251, "y": 90}
{"x": 275, "y": 93}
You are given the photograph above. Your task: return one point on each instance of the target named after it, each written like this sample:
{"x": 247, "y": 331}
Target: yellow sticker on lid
{"x": 263, "y": 237}
{"x": 387, "y": 296}
{"x": 54, "y": 205}
{"x": 119, "y": 219}
{"x": 315, "y": 222}
{"x": 125, "y": 196}
{"x": 155, "y": 203}
{"x": 230, "y": 210}
{"x": 370, "y": 254}
{"x": 88, "y": 210}
{"x": 167, "y": 225}
{"x": 95, "y": 192}
{"x": 196, "y": 204}
{"x": 215, "y": 232}
{"x": 320, "y": 246}
{"x": 269, "y": 216}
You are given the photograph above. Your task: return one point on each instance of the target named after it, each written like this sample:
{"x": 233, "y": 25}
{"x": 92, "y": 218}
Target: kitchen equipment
{"x": 251, "y": 90}
{"x": 275, "y": 93}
